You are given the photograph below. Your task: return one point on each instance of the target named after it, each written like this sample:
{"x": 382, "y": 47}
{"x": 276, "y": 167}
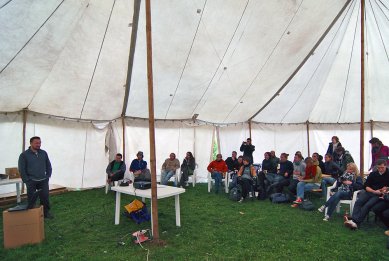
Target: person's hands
{"x": 347, "y": 182}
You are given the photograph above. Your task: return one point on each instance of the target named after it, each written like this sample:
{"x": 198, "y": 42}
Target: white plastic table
{"x": 13, "y": 181}
{"x": 162, "y": 192}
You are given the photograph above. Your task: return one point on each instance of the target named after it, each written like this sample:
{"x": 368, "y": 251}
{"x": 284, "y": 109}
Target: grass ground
{"x": 213, "y": 228}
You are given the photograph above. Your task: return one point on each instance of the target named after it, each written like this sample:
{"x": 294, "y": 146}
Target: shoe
{"x": 351, "y": 224}
{"x": 321, "y": 209}
{"x": 345, "y": 218}
{"x": 295, "y": 205}
{"x": 49, "y": 216}
{"x": 241, "y": 200}
{"x": 298, "y": 201}
{"x": 326, "y": 218}
{"x": 186, "y": 184}
{"x": 250, "y": 194}
{"x": 386, "y": 233}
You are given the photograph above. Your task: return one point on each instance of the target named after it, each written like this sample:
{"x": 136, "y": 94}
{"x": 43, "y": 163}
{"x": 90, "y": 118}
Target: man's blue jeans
{"x": 333, "y": 201}
{"x": 302, "y": 187}
{"x": 330, "y": 181}
{"x": 166, "y": 175}
{"x": 217, "y": 176}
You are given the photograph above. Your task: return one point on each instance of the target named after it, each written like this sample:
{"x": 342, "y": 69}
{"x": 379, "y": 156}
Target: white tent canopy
{"x": 277, "y": 63}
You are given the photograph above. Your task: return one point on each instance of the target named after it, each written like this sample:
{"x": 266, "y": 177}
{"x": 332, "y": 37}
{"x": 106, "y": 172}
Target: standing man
{"x": 35, "y": 169}
{"x": 116, "y": 169}
{"x": 247, "y": 148}
{"x": 169, "y": 168}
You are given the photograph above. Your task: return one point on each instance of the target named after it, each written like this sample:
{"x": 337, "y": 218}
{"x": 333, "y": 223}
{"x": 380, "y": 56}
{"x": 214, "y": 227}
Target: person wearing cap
{"x": 378, "y": 151}
{"x": 138, "y": 165}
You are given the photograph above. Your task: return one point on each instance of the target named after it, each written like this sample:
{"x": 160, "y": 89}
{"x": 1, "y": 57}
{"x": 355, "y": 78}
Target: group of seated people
{"x": 117, "y": 168}
{"x": 302, "y": 175}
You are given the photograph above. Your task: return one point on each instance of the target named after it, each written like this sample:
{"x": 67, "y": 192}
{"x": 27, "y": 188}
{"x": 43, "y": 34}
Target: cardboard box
{"x": 13, "y": 173}
{"x": 23, "y": 227}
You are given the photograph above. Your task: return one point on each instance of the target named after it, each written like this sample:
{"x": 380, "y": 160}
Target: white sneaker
{"x": 250, "y": 194}
{"x": 326, "y": 218}
{"x": 241, "y": 200}
{"x": 321, "y": 209}
{"x": 351, "y": 224}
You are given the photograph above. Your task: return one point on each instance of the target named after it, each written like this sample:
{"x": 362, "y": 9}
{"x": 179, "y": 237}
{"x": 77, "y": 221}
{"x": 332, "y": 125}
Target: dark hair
{"x": 284, "y": 154}
{"x": 234, "y": 151}
{"x": 299, "y": 155}
{"x": 336, "y": 138}
{"x": 329, "y": 155}
{"x": 190, "y": 154}
{"x": 320, "y": 157}
{"x": 308, "y": 159}
{"x": 340, "y": 149}
{"x": 268, "y": 153}
{"x": 240, "y": 157}
{"x": 249, "y": 139}
{"x": 139, "y": 153}
{"x": 120, "y": 155}
{"x": 245, "y": 158}
{"x": 380, "y": 162}
{"x": 375, "y": 140}
{"x": 34, "y": 138}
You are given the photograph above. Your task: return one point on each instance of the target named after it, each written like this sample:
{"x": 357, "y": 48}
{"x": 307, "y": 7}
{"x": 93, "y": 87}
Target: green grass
{"x": 213, "y": 228}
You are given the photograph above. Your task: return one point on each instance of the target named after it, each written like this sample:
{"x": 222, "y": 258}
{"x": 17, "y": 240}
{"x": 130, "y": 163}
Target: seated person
{"x": 298, "y": 172}
{"x": 319, "y": 159}
{"x": 218, "y": 169}
{"x": 232, "y": 163}
{"x": 375, "y": 186}
{"x": 187, "y": 168}
{"x": 342, "y": 157}
{"x": 169, "y": 168}
{"x": 116, "y": 169}
{"x": 348, "y": 182}
{"x": 267, "y": 164}
{"x": 330, "y": 168}
{"x": 246, "y": 174}
{"x": 139, "y": 167}
{"x": 282, "y": 177}
{"x": 310, "y": 181}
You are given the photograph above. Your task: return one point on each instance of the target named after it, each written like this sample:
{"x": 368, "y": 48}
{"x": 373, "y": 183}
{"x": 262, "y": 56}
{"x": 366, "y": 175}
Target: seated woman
{"x": 187, "y": 168}
{"x": 310, "y": 181}
{"x": 282, "y": 177}
{"x": 246, "y": 174}
{"x": 348, "y": 182}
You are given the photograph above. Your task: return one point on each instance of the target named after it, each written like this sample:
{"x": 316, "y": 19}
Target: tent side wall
{"x": 79, "y": 158}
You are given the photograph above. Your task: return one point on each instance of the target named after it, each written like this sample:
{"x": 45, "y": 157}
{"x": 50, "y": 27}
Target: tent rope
{"x": 187, "y": 59}
{"x": 264, "y": 64}
{"x": 342, "y": 23}
{"x": 29, "y": 40}
{"x": 98, "y": 58}
{"x": 221, "y": 61}
{"x": 349, "y": 65}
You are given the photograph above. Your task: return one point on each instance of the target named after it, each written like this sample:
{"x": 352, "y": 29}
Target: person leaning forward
{"x": 35, "y": 169}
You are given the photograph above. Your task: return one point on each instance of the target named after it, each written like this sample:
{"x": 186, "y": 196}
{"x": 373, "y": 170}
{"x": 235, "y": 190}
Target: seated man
{"x": 139, "y": 167}
{"x": 298, "y": 172}
{"x": 218, "y": 169}
{"x": 232, "y": 163}
{"x": 310, "y": 181}
{"x": 375, "y": 187}
{"x": 282, "y": 177}
{"x": 169, "y": 168}
{"x": 116, "y": 169}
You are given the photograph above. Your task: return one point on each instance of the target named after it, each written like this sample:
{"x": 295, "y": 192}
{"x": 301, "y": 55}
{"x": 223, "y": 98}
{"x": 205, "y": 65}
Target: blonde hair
{"x": 355, "y": 168}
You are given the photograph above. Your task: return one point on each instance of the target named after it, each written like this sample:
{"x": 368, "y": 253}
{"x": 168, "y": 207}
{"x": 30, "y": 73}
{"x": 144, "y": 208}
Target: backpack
{"x": 307, "y": 205}
{"x": 235, "y": 193}
{"x": 279, "y": 198}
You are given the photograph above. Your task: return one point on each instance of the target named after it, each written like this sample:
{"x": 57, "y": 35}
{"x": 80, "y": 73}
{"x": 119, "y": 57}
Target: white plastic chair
{"x": 193, "y": 177}
{"x": 211, "y": 180}
{"x": 176, "y": 176}
{"x": 350, "y": 202}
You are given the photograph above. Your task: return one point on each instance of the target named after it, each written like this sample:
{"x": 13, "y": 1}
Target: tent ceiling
{"x": 221, "y": 59}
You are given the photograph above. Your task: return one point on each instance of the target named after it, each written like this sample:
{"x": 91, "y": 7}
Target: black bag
{"x": 307, "y": 205}
{"x": 235, "y": 193}
{"x": 142, "y": 184}
{"x": 279, "y": 198}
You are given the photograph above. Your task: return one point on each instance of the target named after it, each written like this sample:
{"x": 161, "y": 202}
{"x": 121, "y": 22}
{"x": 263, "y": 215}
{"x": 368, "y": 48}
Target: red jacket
{"x": 219, "y": 166}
